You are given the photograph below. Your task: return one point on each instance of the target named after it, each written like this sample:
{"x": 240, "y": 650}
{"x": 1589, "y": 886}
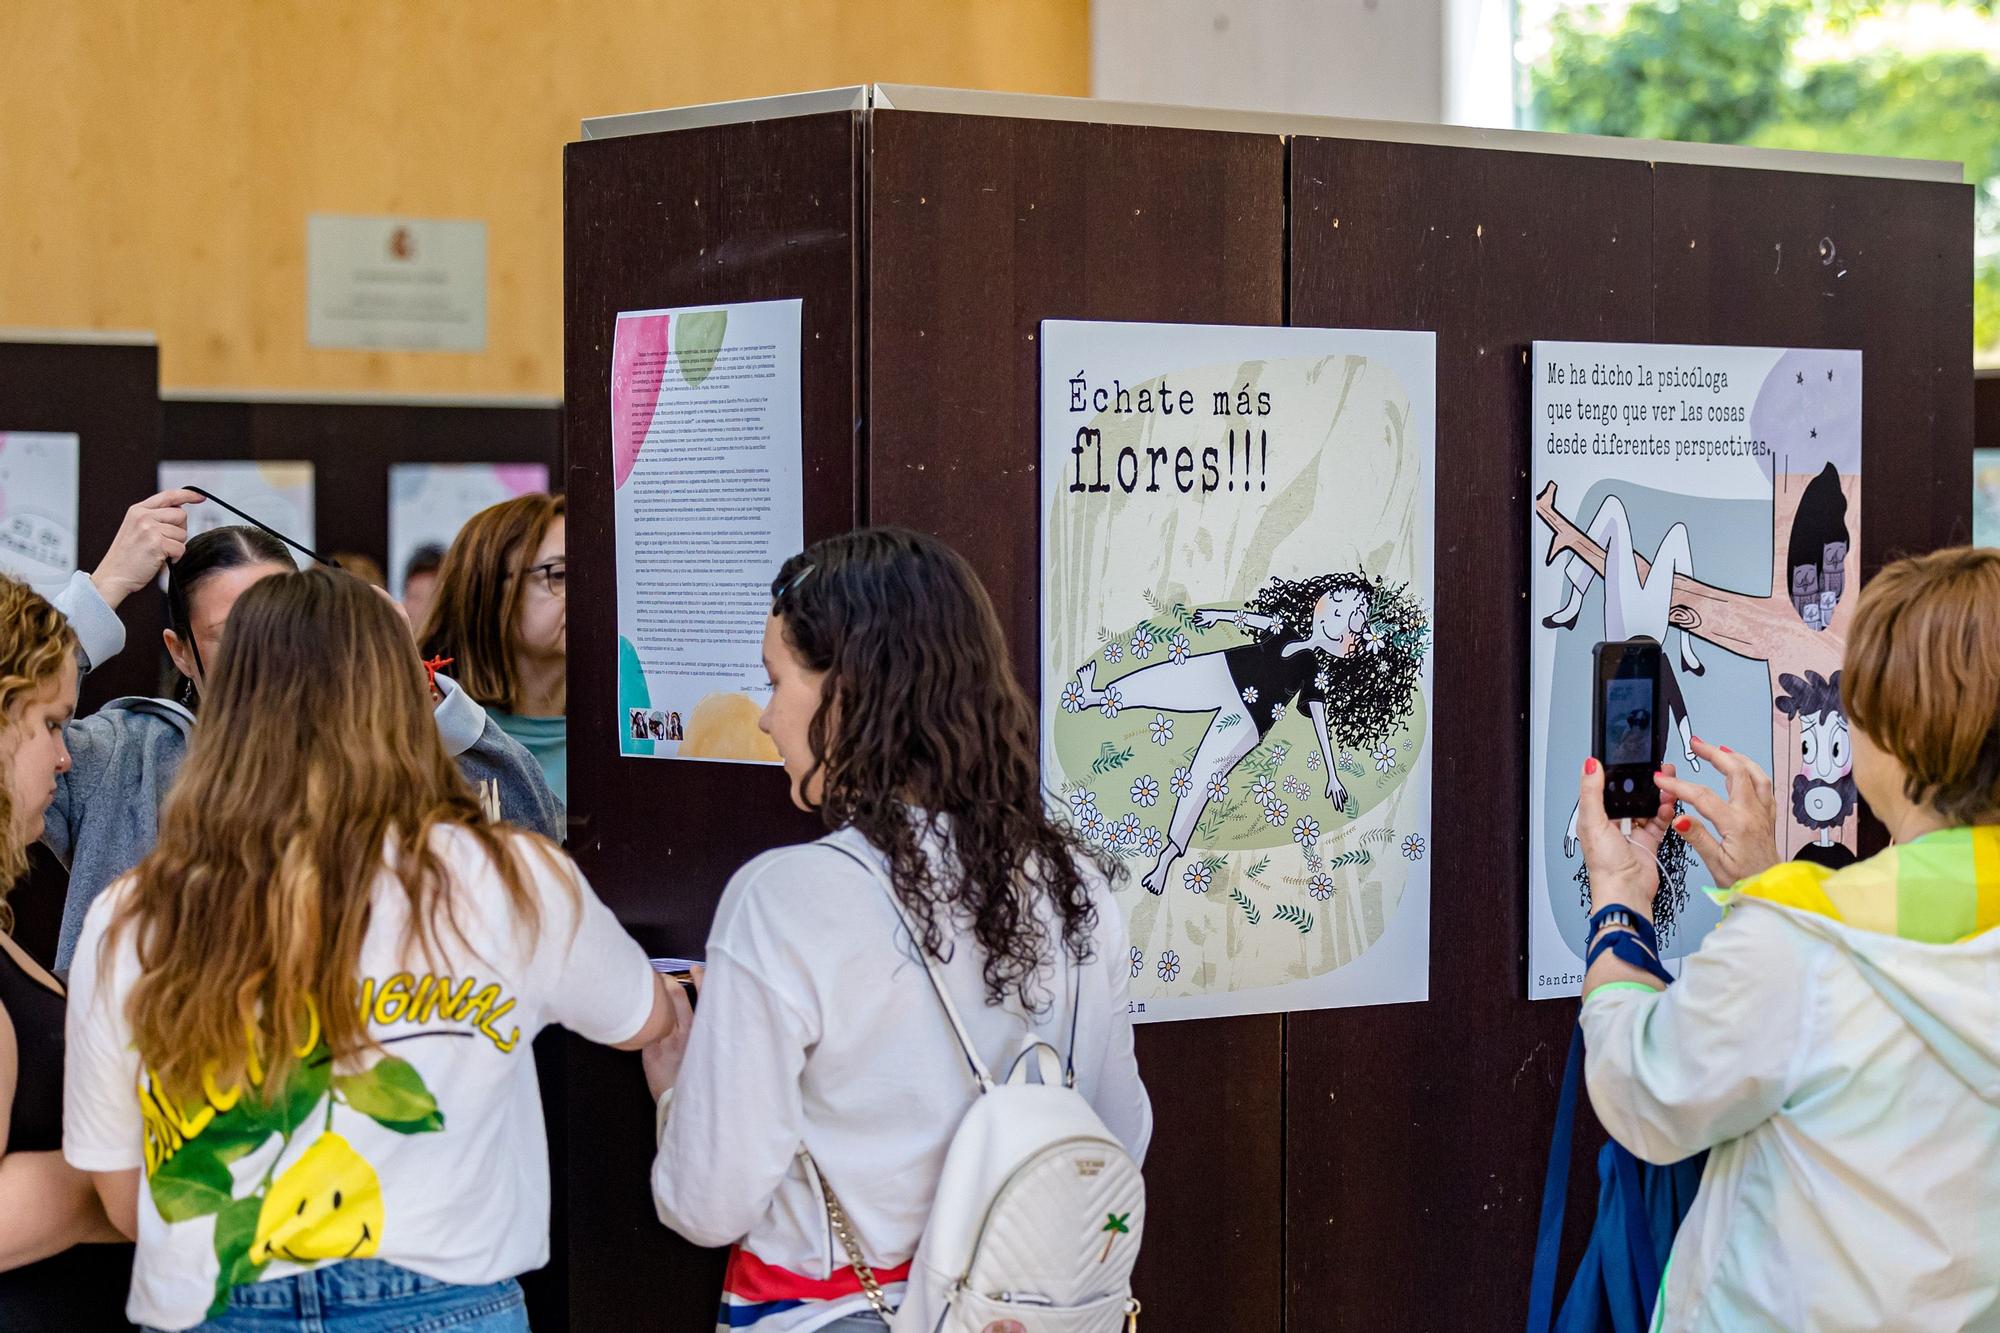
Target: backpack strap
{"x": 977, "y": 1066}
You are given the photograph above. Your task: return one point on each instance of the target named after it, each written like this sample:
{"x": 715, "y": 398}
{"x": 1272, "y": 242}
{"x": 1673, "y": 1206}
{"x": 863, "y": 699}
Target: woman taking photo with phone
{"x": 1835, "y": 1041}
{"x": 46, "y": 1205}
{"x": 299, "y": 1030}
{"x": 899, "y": 720}
{"x": 500, "y": 613}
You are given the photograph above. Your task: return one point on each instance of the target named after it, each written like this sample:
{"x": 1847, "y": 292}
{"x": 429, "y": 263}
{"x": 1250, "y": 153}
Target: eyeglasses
{"x": 555, "y": 576}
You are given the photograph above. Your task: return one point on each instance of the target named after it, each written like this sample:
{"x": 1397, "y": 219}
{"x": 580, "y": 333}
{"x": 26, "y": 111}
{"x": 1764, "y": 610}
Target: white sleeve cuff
{"x": 97, "y": 626}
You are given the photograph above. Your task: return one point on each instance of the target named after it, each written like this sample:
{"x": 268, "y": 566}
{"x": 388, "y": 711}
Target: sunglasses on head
{"x": 178, "y": 595}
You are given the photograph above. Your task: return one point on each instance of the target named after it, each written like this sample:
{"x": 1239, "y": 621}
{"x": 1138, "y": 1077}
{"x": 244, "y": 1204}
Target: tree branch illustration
{"x": 1759, "y": 628}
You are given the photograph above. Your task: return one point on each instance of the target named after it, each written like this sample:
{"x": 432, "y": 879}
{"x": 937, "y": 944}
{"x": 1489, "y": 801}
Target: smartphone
{"x": 680, "y": 970}
{"x": 1629, "y": 728}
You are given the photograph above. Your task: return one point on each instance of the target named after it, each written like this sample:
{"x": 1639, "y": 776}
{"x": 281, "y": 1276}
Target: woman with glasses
{"x": 500, "y": 614}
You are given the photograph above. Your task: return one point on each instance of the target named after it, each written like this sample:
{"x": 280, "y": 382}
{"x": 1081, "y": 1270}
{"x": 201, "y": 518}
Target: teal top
{"x": 546, "y": 738}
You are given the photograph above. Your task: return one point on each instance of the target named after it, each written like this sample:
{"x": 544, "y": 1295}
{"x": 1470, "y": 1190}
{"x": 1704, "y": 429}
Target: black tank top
{"x": 37, "y": 1014}
{"x": 82, "y": 1288}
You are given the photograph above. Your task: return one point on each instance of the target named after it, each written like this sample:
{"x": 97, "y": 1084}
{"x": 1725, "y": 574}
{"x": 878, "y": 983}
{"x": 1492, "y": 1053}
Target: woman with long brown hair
{"x": 899, "y": 720}
{"x": 500, "y": 613}
{"x": 46, "y": 1205}
{"x": 300, "y": 1027}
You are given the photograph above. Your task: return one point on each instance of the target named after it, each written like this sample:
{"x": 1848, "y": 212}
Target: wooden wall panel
{"x": 160, "y": 160}
{"x": 1416, "y": 1135}
{"x": 980, "y": 228}
{"x": 735, "y": 213}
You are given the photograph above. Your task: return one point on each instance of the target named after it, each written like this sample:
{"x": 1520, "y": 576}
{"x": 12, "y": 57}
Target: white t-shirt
{"x": 818, "y": 1029}
{"x": 430, "y": 1153}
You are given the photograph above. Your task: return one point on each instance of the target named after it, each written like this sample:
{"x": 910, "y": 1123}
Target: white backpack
{"x": 1040, "y": 1209}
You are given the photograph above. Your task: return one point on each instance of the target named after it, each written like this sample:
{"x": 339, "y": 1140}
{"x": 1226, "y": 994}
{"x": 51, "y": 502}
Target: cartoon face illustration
{"x": 326, "y": 1205}
{"x": 1823, "y": 790}
{"x": 1338, "y": 619}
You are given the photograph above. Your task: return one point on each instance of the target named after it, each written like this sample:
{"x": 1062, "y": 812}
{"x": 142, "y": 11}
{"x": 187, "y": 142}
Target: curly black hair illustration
{"x": 1371, "y": 693}
{"x": 1673, "y": 892}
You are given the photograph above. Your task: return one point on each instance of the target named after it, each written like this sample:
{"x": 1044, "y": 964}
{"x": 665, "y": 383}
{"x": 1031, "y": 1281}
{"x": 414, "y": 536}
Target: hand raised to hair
{"x": 152, "y": 532}
{"x": 1739, "y": 838}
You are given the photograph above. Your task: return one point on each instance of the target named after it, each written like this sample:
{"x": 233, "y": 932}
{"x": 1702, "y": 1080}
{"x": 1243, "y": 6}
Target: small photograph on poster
{"x": 1986, "y": 497}
{"x": 1709, "y": 499}
{"x": 279, "y": 495}
{"x": 38, "y": 507}
{"x": 1237, "y": 619}
{"x": 708, "y": 500}
{"x": 430, "y": 502}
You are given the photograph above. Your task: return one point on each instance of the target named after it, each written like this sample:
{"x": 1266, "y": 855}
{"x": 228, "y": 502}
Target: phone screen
{"x": 1628, "y": 721}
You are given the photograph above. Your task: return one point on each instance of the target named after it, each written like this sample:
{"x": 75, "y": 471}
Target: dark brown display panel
{"x": 108, "y": 395}
{"x": 1417, "y": 1134}
{"x": 352, "y": 447}
{"x": 980, "y": 228}
{"x": 1363, "y": 1168}
{"x": 731, "y": 213}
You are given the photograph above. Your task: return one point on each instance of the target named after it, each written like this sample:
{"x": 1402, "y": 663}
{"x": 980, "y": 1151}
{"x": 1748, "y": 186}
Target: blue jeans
{"x": 369, "y": 1296}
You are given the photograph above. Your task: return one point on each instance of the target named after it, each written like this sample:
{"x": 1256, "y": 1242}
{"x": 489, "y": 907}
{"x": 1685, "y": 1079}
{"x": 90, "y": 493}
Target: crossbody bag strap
{"x": 977, "y": 1066}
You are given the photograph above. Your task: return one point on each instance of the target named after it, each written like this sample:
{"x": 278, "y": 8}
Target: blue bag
{"x": 1639, "y": 1208}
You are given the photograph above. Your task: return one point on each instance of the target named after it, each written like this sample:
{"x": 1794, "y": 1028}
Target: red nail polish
{"x": 1683, "y": 824}
{"x": 1725, "y": 749}
{"x": 1590, "y": 765}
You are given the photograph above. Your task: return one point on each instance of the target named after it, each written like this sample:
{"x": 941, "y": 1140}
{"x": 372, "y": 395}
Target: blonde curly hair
{"x": 35, "y": 640}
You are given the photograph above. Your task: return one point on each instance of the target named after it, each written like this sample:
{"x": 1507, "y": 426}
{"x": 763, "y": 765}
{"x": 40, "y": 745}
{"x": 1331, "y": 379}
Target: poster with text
{"x": 1236, "y": 647}
{"x": 430, "y": 502}
{"x": 1986, "y": 497}
{"x": 1708, "y": 498}
{"x": 278, "y": 495}
{"x": 708, "y": 500}
{"x": 38, "y": 507}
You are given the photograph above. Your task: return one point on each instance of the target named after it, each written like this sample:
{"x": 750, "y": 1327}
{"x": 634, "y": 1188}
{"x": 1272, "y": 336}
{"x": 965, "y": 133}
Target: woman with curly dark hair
{"x": 901, "y": 723}
{"x": 1347, "y": 648}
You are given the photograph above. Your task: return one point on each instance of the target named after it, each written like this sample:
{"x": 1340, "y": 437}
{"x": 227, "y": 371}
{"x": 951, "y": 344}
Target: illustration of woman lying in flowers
{"x": 1346, "y": 648}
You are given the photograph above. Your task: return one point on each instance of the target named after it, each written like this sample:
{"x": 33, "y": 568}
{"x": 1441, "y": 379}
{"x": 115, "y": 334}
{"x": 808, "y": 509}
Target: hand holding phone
{"x": 1629, "y": 727}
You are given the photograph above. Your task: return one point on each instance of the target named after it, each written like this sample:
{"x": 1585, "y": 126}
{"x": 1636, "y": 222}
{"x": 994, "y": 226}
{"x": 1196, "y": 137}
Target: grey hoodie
{"x": 106, "y": 815}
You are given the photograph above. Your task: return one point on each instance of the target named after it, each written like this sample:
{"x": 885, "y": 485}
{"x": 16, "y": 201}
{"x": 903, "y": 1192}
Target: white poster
{"x": 708, "y": 500}
{"x": 1708, "y": 498}
{"x": 430, "y": 502}
{"x": 38, "y": 507}
{"x": 1237, "y": 533}
{"x": 278, "y": 495}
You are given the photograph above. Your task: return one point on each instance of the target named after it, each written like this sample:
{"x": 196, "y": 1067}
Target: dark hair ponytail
{"x": 209, "y": 553}
{"x": 923, "y": 729}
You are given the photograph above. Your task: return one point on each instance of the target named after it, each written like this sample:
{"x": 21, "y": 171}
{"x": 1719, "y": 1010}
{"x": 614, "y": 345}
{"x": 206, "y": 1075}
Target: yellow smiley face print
{"x": 326, "y": 1205}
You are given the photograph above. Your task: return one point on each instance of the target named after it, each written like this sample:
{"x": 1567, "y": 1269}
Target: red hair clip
{"x": 431, "y": 669}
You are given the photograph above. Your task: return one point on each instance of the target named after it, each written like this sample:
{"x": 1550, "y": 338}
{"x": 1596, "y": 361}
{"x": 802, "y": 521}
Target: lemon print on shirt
{"x": 326, "y": 1205}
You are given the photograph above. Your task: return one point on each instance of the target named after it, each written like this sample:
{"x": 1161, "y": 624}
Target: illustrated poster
{"x": 279, "y": 495}
{"x": 430, "y": 502}
{"x": 1708, "y": 498}
{"x": 1236, "y": 651}
{"x": 38, "y": 508}
{"x": 707, "y": 501}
